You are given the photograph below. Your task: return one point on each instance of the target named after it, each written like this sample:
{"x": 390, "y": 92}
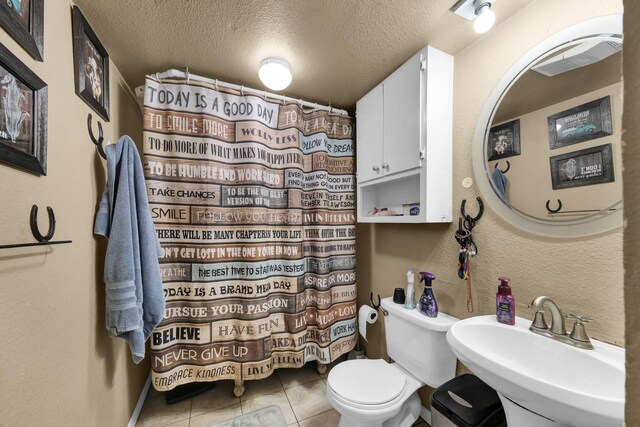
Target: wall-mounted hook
{"x": 506, "y": 170}
{"x": 97, "y": 142}
{"x": 33, "y": 221}
{"x": 378, "y": 306}
{"x": 553, "y": 210}
{"x": 41, "y": 240}
{"x": 469, "y": 217}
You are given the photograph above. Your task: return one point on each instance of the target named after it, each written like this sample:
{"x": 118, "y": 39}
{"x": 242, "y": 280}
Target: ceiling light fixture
{"x": 478, "y": 11}
{"x": 275, "y": 73}
{"x": 485, "y": 18}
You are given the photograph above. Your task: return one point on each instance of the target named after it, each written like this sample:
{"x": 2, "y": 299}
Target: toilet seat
{"x": 367, "y": 383}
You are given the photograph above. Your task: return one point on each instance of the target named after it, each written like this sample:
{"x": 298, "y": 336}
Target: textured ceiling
{"x": 338, "y": 49}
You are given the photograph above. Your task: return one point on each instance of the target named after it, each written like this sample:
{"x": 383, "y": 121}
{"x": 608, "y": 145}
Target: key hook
{"x": 469, "y": 217}
{"x": 97, "y": 142}
{"x": 33, "y": 221}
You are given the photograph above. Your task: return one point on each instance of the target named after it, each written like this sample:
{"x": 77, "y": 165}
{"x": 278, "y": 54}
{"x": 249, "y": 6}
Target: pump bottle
{"x": 505, "y": 303}
{"x": 428, "y": 305}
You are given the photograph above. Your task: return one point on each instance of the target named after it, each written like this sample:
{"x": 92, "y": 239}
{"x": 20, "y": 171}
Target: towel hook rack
{"x": 33, "y": 221}
{"x": 41, "y": 240}
{"x": 97, "y": 142}
{"x": 506, "y": 170}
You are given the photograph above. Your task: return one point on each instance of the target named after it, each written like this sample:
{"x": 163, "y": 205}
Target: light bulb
{"x": 485, "y": 19}
{"x": 275, "y": 73}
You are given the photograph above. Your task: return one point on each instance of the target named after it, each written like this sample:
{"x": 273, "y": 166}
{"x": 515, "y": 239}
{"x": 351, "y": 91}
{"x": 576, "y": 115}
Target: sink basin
{"x": 561, "y": 384}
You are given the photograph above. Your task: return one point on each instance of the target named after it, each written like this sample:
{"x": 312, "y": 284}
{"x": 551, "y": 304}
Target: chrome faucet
{"x": 577, "y": 338}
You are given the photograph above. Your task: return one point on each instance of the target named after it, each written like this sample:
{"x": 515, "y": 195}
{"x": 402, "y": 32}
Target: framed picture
{"x": 583, "y": 123}
{"x": 23, "y": 115}
{"x": 504, "y": 140}
{"x": 24, "y": 21}
{"x": 585, "y": 167}
{"x": 91, "y": 62}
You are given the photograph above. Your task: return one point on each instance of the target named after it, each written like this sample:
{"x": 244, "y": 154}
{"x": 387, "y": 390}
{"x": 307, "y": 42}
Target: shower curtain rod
{"x": 173, "y": 73}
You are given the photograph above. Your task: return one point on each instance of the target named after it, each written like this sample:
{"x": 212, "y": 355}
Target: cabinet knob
{"x": 376, "y": 169}
{"x": 385, "y": 166}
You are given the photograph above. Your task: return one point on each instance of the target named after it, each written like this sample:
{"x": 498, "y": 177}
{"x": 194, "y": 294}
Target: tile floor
{"x": 300, "y": 393}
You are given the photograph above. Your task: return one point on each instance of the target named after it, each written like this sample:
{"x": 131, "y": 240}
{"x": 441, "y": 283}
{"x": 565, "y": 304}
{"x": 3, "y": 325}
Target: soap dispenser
{"x": 505, "y": 303}
{"x": 410, "y": 301}
{"x": 428, "y": 305}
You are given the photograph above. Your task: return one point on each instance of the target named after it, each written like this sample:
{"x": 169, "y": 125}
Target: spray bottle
{"x": 428, "y": 305}
{"x": 410, "y": 302}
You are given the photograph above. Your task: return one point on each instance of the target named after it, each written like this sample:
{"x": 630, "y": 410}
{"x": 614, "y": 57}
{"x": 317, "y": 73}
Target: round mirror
{"x": 547, "y": 149}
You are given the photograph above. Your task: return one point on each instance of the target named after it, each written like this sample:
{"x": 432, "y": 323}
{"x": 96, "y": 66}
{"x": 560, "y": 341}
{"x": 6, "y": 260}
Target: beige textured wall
{"x": 583, "y": 276}
{"x": 59, "y": 366}
{"x": 631, "y": 150}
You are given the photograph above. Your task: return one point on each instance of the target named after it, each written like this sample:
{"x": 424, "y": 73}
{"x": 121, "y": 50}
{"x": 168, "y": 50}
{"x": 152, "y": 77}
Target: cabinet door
{"x": 402, "y": 113}
{"x": 369, "y": 135}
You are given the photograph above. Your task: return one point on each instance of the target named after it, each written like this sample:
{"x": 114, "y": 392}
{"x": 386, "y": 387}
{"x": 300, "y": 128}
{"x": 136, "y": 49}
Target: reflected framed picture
{"x": 91, "y": 63}
{"x": 584, "y": 167}
{"x": 504, "y": 141}
{"x": 24, "y": 21}
{"x": 582, "y": 123}
{"x": 23, "y": 115}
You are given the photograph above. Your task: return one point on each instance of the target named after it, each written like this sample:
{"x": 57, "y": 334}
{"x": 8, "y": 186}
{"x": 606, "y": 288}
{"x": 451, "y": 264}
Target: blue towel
{"x": 134, "y": 295}
{"x": 500, "y": 183}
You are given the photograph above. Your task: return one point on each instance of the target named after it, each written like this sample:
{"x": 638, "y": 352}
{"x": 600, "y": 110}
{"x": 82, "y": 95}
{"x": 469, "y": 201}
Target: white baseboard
{"x": 425, "y": 414}
{"x": 143, "y": 396}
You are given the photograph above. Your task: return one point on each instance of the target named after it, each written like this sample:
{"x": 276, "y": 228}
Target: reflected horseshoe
{"x": 554, "y": 210}
{"x": 507, "y": 169}
{"x": 33, "y": 221}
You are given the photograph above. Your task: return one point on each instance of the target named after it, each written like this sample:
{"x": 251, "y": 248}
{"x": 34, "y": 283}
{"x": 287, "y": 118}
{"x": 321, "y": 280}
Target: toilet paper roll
{"x": 366, "y": 314}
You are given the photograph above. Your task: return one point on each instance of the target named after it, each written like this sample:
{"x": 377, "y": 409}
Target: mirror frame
{"x": 590, "y": 225}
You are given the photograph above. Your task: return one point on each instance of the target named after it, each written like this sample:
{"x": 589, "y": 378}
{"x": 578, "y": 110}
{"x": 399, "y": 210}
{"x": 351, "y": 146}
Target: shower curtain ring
{"x": 242, "y": 90}
{"x": 300, "y": 103}
{"x": 315, "y": 107}
{"x": 330, "y": 108}
{"x": 265, "y": 94}
{"x": 284, "y": 100}
{"x": 216, "y": 84}
{"x": 188, "y": 75}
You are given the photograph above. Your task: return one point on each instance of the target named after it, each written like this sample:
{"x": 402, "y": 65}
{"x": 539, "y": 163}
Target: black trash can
{"x": 466, "y": 401}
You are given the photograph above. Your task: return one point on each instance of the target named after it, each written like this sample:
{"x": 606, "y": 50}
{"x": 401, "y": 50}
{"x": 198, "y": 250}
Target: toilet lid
{"x": 366, "y": 381}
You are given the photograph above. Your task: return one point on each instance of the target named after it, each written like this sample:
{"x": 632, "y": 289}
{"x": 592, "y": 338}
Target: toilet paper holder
{"x": 378, "y": 307}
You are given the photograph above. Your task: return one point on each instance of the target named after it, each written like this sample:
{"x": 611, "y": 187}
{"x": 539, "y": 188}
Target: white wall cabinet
{"x": 404, "y": 142}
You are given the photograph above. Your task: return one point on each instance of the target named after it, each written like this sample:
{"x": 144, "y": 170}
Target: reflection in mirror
{"x": 555, "y": 138}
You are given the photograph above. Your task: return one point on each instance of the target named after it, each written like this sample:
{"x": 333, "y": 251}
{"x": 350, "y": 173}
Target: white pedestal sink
{"x": 540, "y": 381}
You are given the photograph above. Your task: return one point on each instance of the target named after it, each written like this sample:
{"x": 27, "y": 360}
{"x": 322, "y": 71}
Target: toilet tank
{"x": 418, "y": 343}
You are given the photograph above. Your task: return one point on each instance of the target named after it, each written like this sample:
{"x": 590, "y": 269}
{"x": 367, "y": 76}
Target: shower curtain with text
{"x": 254, "y": 205}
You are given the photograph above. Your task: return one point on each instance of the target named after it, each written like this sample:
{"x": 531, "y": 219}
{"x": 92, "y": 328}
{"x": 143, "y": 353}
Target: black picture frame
{"x": 584, "y": 167}
{"x": 23, "y": 115}
{"x": 582, "y": 123}
{"x": 91, "y": 65}
{"x": 27, "y": 29}
{"x": 504, "y": 141}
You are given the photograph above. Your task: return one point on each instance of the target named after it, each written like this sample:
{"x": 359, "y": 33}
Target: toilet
{"x": 375, "y": 393}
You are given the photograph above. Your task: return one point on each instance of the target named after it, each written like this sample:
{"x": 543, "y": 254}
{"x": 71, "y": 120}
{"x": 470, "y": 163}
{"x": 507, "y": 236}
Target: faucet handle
{"x": 538, "y": 319}
{"x": 579, "y": 333}
{"x": 579, "y": 319}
